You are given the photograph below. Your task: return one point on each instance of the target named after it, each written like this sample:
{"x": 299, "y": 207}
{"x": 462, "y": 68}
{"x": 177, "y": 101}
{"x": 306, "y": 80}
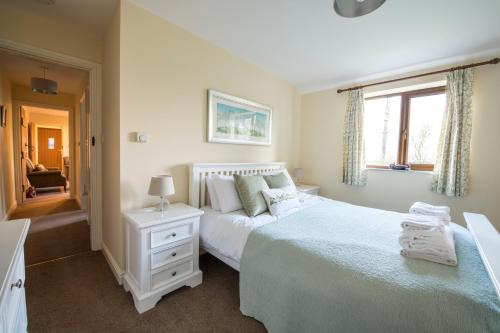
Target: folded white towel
{"x": 439, "y": 239}
{"x": 423, "y": 208}
{"x": 422, "y": 222}
{"x": 430, "y": 256}
{"x": 436, "y": 245}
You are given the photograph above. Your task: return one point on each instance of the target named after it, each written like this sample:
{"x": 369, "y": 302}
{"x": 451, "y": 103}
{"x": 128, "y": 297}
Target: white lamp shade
{"x": 161, "y": 186}
{"x": 298, "y": 174}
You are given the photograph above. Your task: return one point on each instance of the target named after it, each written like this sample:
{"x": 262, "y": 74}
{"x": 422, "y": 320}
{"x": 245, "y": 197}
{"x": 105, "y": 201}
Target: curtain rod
{"x": 493, "y": 61}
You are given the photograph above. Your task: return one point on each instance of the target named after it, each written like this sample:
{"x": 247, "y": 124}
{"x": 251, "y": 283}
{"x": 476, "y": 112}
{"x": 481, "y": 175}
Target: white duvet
{"x": 227, "y": 233}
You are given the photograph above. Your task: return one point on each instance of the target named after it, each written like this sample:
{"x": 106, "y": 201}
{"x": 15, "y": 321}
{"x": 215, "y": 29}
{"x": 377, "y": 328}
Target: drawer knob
{"x": 18, "y": 284}
{"x": 174, "y": 254}
{"x": 174, "y": 234}
{"x": 174, "y": 273}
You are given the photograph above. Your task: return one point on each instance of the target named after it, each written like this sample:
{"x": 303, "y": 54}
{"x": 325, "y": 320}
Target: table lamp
{"x": 298, "y": 174}
{"x": 161, "y": 186}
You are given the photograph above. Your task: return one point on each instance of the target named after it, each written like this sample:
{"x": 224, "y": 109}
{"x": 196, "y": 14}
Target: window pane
{"x": 381, "y": 124}
{"x": 51, "y": 143}
{"x": 426, "y": 116}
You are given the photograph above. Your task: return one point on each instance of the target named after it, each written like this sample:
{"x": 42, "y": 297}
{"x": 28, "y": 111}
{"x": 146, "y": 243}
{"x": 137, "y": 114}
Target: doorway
{"x": 46, "y": 157}
{"x": 93, "y": 100}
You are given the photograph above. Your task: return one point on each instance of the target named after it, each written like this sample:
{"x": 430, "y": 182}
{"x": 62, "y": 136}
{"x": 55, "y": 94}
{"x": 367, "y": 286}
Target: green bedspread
{"x": 336, "y": 267}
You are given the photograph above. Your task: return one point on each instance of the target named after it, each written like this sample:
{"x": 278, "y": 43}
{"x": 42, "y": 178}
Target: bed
{"x": 335, "y": 267}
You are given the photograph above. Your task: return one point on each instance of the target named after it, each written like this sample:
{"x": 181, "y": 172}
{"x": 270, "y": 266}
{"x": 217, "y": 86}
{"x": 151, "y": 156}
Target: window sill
{"x": 400, "y": 171}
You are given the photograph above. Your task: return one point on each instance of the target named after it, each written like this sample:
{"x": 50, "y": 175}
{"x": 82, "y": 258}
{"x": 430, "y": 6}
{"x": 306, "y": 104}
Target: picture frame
{"x": 3, "y": 116}
{"x": 236, "y": 120}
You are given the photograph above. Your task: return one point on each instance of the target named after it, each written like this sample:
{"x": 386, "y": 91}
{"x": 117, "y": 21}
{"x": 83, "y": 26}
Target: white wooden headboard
{"x": 199, "y": 171}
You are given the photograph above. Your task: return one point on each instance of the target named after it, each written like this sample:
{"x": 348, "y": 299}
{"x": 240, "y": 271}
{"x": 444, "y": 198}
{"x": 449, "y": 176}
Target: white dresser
{"x": 162, "y": 252}
{"x": 13, "y": 317}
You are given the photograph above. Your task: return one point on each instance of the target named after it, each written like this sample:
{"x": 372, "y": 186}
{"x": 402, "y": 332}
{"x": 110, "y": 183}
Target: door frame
{"x": 16, "y": 132}
{"x": 95, "y": 104}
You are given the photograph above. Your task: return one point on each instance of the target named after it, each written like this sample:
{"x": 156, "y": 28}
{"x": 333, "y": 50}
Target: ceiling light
{"x": 43, "y": 86}
{"x": 355, "y": 8}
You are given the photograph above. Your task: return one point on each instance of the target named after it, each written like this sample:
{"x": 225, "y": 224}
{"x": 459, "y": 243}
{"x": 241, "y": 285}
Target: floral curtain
{"x": 451, "y": 172}
{"x": 354, "y": 172}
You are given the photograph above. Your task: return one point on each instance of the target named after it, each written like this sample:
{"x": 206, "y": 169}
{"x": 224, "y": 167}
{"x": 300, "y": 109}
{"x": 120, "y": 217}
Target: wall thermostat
{"x": 141, "y": 137}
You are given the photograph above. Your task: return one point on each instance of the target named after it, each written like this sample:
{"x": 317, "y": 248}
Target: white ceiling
{"x": 307, "y": 44}
{"x": 94, "y": 15}
{"x": 20, "y": 69}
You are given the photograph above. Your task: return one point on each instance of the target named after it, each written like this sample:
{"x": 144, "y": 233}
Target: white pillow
{"x": 279, "y": 201}
{"x": 227, "y": 196}
{"x": 214, "y": 201}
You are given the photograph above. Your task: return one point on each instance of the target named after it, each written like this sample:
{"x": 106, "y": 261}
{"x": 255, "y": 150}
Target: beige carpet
{"x": 46, "y": 206}
{"x": 58, "y": 229}
{"x": 80, "y": 294}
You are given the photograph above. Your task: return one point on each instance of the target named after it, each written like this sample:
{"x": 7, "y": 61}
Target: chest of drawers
{"x": 12, "y": 296}
{"x": 162, "y": 251}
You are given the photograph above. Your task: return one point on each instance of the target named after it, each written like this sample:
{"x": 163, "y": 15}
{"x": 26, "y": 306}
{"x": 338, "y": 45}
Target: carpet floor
{"x": 58, "y": 229}
{"x": 80, "y": 294}
{"x": 44, "y": 207}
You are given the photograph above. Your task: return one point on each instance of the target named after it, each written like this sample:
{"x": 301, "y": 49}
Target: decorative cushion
{"x": 214, "y": 201}
{"x": 226, "y": 194}
{"x": 40, "y": 167}
{"x": 279, "y": 201}
{"x": 250, "y": 191}
{"x": 277, "y": 179}
{"x": 29, "y": 166}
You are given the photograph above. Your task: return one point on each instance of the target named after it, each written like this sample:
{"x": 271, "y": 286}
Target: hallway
{"x": 58, "y": 229}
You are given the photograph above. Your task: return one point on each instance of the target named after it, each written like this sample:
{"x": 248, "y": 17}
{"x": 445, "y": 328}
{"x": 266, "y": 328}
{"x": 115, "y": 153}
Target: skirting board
{"x": 115, "y": 268}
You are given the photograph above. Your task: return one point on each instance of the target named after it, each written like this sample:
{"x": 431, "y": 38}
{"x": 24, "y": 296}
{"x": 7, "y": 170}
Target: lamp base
{"x": 163, "y": 205}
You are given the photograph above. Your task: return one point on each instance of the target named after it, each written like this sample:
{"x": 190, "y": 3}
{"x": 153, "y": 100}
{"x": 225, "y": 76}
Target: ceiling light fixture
{"x": 44, "y": 86}
{"x": 356, "y": 8}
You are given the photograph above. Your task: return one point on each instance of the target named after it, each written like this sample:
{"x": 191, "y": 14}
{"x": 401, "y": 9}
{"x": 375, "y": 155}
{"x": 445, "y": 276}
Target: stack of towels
{"x": 427, "y": 234}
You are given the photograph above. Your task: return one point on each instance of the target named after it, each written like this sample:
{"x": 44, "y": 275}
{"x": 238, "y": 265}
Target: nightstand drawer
{"x": 163, "y": 236}
{"x": 171, "y": 274}
{"x": 170, "y": 255}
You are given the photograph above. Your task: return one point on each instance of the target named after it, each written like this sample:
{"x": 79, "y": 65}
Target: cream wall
{"x": 322, "y": 117}
{"x": 111, "y": 216}
{"x": 7, "y": 194}
{"x": 164, "y": 76}
{"x": 48, "y": 33}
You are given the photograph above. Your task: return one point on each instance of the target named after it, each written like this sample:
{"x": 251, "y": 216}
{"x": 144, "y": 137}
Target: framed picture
{"x": 3, "y": 116}
{"x": 236, "y": 120}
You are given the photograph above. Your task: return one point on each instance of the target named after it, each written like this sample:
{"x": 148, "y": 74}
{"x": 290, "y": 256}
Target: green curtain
{"x": 451, "y": 172}
{"x": 354, "y": 172}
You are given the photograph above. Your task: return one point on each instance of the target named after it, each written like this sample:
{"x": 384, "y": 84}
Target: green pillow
{"x": 278, "y": 180}
{"x": 250, "y": 191}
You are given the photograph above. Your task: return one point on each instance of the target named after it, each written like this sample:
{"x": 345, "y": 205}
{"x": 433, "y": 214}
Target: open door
{"x": 24, "y": 151}
{"x": 85, "y": 146}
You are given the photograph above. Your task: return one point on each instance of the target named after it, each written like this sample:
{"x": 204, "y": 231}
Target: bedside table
{"x": 161, "y": 252}
{"x": 309, "y": 189}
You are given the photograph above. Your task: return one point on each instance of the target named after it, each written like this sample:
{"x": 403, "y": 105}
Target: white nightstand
{"x": 309, "y": 189}
{"x": 161, "y": 252}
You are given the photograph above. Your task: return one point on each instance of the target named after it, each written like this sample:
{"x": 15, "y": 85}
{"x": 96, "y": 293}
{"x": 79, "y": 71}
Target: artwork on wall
{"x": 236, "y": 120}
{"x": 3, "y": 116}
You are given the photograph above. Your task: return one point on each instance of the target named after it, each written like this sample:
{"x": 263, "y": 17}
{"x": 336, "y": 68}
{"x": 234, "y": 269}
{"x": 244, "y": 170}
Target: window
{"x": 404, "y": 128}
{"x": 51, "y": 143}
